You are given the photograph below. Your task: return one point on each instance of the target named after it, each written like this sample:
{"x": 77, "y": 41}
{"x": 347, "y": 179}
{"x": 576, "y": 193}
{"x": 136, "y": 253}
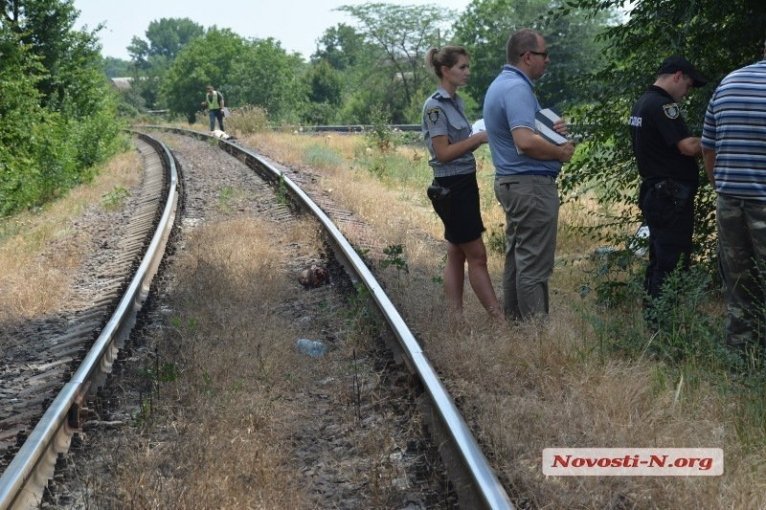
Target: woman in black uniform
{"x": 447, "y": 133}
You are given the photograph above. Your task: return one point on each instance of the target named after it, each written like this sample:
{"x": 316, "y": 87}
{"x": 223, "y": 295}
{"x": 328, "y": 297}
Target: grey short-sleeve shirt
{"x": 443, "y": 115}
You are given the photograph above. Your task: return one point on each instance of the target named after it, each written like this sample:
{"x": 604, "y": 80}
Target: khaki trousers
{"x": 531, "y": 205}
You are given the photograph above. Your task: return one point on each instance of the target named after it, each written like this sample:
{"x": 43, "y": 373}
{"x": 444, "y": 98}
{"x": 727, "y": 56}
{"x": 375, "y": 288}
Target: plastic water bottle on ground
{"x": 313, "y": 348}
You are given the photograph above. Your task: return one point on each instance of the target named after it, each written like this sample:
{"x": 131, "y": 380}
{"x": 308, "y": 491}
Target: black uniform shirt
{"x": 656, "y": 126}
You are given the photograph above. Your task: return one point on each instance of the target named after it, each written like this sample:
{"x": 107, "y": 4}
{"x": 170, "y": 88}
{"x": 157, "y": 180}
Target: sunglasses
{"x": 543, "y": 54}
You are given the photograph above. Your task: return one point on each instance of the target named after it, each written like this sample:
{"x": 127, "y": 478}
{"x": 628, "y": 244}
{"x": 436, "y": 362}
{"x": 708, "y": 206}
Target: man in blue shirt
{"x": 526, "y": 166}
{"x": 734, "y": 152}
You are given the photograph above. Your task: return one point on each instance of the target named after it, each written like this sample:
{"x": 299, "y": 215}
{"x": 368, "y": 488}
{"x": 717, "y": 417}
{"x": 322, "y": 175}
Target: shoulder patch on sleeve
{"x": 671, "y": 110}
{"x": 433, "y": 115}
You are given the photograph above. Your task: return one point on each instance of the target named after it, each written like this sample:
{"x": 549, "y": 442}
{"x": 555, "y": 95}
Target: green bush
{"x": 57, "y": 154}
{"x": 115, "y": 198}
{"x": 393, "y": 167}
{"x": 96, "y": 137}
{"x": 380, "y": 134}
{"x": 681, "y": 327}
{"x": 59, "y": 119}
{"x": 686, "y": 329}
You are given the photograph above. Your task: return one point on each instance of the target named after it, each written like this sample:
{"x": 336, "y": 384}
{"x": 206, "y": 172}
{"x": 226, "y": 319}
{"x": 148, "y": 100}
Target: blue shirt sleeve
{"x": 521, "y": 107}
{"x": 708, "y": 129}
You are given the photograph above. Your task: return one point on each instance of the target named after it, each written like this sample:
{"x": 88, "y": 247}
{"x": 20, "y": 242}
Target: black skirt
{"x": 462, "y": 219}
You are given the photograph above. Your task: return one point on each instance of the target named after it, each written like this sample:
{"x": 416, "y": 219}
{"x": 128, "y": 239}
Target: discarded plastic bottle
{"x": 313, "y": 348}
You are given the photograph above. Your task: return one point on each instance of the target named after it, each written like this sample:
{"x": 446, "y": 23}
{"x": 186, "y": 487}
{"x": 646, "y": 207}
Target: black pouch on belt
{"x": 678, "y": 192}
{"x": 440, "y": 198}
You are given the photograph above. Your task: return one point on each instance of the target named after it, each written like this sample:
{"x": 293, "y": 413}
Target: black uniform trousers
{"x": 668, "y": 209}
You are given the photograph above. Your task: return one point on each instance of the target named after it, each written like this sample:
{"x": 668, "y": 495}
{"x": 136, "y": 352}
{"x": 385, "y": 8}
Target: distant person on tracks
{"x": 526, "y": 167}
{"x": 455, "y": 191}
{"x": 214, "y": 104}
{"x": 734, "y": 152}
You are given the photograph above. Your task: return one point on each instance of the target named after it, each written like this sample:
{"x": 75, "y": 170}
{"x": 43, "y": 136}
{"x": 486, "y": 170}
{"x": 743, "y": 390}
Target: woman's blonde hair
{"x": 444, "y": 56}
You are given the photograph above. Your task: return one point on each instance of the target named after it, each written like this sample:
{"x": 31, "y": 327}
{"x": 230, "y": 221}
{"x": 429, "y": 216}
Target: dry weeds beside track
{"x": 329, "y": 447}
{"x": 356, "y": 439}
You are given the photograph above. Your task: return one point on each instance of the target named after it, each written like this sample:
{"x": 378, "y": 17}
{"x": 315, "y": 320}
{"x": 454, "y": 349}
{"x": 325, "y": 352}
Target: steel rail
{"x": 22, "y": 483}
{"x": 477, "y": 486}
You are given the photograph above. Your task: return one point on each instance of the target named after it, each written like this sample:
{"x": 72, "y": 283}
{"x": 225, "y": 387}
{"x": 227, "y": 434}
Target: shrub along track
{"x": 341, "y": 411}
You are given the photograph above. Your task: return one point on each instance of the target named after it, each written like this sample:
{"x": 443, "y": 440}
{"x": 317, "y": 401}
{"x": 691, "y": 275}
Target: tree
{"x": 400, "y": 36}
{"x": 341, "y": 47}
{"x": 151, "y": 57}
{"x": 325, "y": 84}
{"x": 266, "y": 75}
{"x": 46, "y": 28}
{"x": 206, "y": 60}
{"x": 164, "y": 38}
{"x": 716, "y": 36}
{"x": 20, "y": 112}
{"x": 57, "y": 109}
{"x": 325, "y": 92}
{"x": 336, "y": 73}
{"x": 116, "y": 67}
{"x": 571, "y": 36}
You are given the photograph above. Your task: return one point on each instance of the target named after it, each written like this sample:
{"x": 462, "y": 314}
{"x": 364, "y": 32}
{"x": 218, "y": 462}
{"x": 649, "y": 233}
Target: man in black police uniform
{"x": 665, "y": 152}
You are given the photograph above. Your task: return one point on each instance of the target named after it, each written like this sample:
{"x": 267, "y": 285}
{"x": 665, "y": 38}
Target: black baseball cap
{"x": 677, "y": 63}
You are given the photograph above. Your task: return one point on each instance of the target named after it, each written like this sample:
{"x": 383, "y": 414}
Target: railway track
{"x": 476, "y": 484}
{"x": 52, "y": 365}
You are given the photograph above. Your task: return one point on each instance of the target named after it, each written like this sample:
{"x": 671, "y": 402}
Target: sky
{"x": 296, "y": 24}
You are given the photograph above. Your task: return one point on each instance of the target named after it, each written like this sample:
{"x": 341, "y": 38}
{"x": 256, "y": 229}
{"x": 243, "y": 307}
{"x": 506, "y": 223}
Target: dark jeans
{"x": 216, "y": 114}
{"x": 668, "y": 209}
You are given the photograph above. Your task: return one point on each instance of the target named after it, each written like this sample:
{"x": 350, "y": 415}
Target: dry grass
{"x": 229, "y": 429}
{"x": 533, "y": 387}
{"x": 41, "y": 251}
{"x": 220, "y": 442}
{"x": 524, "y": 388}
{"x": 234, "y": 394}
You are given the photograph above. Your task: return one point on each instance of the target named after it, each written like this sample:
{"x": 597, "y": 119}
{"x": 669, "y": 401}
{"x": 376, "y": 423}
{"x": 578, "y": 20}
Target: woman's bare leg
{"x": 476, "y": 255}
{"x": 454, "y": 275}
